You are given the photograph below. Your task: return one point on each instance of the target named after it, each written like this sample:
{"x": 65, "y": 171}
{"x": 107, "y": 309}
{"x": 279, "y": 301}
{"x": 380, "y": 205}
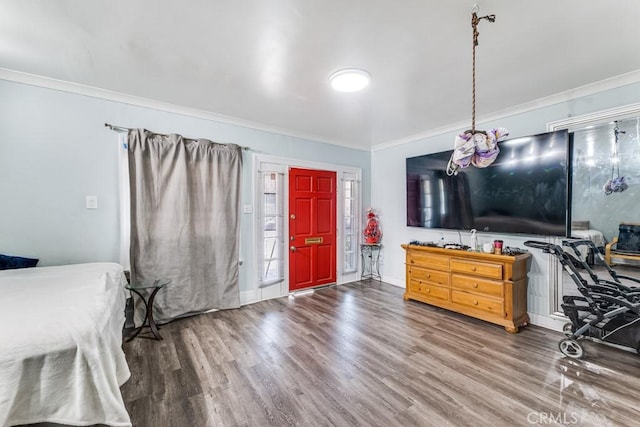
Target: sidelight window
{"x": 350, "y": 231}
{"x": 271, "y": 227}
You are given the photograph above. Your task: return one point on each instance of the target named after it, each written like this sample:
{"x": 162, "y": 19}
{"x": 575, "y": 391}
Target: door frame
{"x": 298, "y": 238}
{"x": 282, "y": 289}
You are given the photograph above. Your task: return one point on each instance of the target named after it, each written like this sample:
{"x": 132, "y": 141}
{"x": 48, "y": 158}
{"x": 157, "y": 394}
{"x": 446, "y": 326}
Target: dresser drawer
{"x": 491, "y": 305}
{"x": 430, "y": 290}
{"x": 424, "y": 259}
{"x": 492, "y": 288}
{"x": 424, "y": 274}
{"x": 479, "y": 268}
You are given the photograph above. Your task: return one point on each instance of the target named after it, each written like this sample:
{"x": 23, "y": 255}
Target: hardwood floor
{"x": 358, "y": 355}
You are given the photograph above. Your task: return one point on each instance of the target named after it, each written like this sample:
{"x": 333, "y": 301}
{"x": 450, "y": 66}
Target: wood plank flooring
{"x": 358, "y": 355}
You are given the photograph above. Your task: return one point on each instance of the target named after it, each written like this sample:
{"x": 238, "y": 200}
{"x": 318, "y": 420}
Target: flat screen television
{"x": 526, "y": 190}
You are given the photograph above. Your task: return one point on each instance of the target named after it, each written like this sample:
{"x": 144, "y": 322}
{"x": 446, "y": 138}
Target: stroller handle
{"x": 546, "y": 247}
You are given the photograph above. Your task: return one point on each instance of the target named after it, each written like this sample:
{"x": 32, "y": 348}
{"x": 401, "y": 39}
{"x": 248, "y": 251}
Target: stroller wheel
{"x": 571, "y": 348}
{"x": 567, "y": 329}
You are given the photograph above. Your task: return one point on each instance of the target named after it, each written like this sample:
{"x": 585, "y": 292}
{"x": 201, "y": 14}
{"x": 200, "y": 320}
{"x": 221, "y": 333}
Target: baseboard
{"x": 256, "y": 295}
{"x": 394, "y": 281}
{"x": 548, "y": 322}
{"x": 249, "y": 297}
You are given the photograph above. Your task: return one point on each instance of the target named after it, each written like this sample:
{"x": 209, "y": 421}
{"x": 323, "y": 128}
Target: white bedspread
{"x": 61, "y": 359}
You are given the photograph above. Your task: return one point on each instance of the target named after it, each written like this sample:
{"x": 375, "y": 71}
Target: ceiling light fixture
{"x": 350, "y": 80}
{"x": 475, "y": 147}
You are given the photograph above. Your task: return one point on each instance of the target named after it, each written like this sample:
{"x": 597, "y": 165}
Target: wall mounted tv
{"x": 526, "y": 190}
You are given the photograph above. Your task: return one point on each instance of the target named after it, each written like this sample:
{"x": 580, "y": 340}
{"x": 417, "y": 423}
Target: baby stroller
{"x": 605, "y": 311}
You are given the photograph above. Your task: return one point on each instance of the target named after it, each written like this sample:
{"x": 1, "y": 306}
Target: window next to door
{"x": 271, "y": 227}
{"x": 350, "y": 222}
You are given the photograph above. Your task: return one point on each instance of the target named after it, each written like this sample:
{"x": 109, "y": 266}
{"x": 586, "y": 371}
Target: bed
{"x": 61, "y": 358}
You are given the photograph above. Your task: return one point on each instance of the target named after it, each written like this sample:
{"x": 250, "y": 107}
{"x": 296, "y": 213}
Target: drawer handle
{"x": 412, "y": 262}
{"x": 475, "y": 285}
{"x": 473, "y": 269}
{"x": 428, "y": 276}
{"x": 475, "y": 302}
{"x": 428, "y": 290}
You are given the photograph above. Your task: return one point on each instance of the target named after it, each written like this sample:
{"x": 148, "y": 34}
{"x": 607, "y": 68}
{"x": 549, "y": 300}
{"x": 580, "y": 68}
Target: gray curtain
{"x": 185, "y": 222}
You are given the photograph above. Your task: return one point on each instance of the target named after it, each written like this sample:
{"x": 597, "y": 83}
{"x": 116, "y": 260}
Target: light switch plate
{"x": 91, "y": 202}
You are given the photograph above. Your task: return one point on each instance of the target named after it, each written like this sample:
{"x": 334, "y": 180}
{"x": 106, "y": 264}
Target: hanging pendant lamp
{"x": 475, "y": 147}
{"x": 615, "y": 184}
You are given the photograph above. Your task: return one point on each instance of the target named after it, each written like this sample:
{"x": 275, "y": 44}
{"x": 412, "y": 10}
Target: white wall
{"x": 55, "y": 150}
{"x": 389, "y": 195}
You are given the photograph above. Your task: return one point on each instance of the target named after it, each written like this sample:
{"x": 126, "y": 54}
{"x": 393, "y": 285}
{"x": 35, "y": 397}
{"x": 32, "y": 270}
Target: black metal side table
{"x": 370, "y": 261}
{"x": 139, "y": 288}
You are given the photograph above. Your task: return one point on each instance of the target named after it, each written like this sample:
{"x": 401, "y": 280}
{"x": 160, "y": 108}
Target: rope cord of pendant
{"x": 615, "y": 164}
{"x": 475, "y": 20}
{"x": 474, "y": 24}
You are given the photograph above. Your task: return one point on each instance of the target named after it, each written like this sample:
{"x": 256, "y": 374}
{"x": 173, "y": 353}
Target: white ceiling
{"x": 267, "y": 62}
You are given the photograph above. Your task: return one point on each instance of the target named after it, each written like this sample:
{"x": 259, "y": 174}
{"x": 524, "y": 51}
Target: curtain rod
{"x": 122, "y": 129}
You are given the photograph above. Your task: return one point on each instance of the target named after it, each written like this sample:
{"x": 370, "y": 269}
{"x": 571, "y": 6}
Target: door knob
{"x": 293, "y": 248}
{"x": 293, "y": 216}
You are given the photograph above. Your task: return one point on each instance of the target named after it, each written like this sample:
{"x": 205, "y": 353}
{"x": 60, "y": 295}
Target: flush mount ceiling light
{"x": 350, "y": 80}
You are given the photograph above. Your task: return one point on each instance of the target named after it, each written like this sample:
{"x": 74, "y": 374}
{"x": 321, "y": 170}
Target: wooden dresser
{"x": 485, "y": 286}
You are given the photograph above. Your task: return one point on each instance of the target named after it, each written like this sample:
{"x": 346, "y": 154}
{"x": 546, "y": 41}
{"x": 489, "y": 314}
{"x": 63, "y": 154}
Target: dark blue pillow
{"x": 11, "y": 262}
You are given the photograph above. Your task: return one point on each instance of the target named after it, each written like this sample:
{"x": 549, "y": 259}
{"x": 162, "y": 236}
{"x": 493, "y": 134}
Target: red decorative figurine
{"x": 372, "y": 233}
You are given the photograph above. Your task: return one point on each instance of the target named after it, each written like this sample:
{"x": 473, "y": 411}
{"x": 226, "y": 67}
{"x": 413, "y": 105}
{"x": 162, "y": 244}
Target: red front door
{"x": 312, "y": 228}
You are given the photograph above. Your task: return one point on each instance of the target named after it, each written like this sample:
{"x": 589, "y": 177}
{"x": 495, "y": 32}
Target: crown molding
{"x": 94, "y": 92}
{"x": 138, "y": 101}
{"x": 576, "y": 122}
{"x": 579, "y": 92}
